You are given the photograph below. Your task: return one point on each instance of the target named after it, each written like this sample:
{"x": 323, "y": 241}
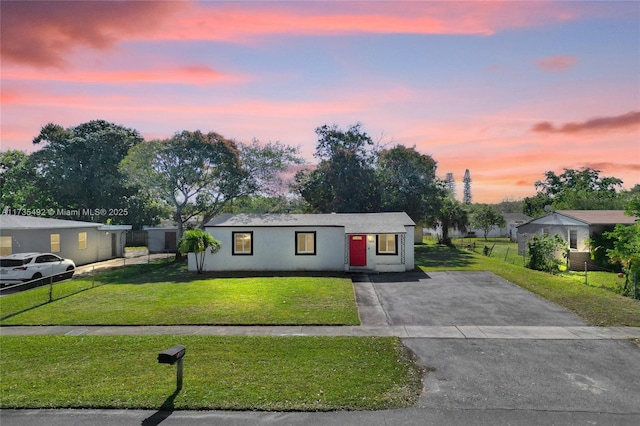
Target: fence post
{"x": 506, "y": 254}
{"x": 586, "y": 281}
{"x": 93, "y": 273}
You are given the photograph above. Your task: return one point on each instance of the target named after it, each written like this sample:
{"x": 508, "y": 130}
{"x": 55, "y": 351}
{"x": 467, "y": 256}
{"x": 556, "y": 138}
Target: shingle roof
{"x": 354, "y": 223}
{"x": 599, "y": 217}
{"x": 36, "y": 222}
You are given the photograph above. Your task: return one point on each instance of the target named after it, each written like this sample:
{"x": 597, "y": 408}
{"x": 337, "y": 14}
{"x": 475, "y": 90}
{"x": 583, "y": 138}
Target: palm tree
{"x": 450, "y": 215}
{"x": 197, "y": 241}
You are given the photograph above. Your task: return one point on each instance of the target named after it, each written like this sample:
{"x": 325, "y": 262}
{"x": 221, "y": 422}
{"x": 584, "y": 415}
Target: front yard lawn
{"x": 224, "y": 373}
{"x": 219, "y": 301}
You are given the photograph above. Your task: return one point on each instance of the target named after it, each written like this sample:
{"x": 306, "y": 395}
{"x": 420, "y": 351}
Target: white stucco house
{"x": 83, "y": 242}
{"x": 576, "y": 227}
{"x": 381, "y": 242}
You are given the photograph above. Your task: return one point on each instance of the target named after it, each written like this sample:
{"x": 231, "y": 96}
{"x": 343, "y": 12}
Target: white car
{"x": 32, "y": 266}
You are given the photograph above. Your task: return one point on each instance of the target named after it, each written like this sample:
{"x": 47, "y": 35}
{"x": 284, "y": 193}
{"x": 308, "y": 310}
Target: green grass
{"x": 219, "y": 301}
{"x": 226, "y": 373}
{"x": 597, "y": 306}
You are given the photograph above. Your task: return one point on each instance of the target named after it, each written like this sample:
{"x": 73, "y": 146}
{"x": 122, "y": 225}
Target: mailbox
{"x": 172, "y": 355}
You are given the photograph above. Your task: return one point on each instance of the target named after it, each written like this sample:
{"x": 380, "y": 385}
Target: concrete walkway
{"x": 405, "y": 332}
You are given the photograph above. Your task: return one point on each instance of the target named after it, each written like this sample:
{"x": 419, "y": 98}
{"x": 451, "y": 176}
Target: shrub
{"x": 543, "y": 251}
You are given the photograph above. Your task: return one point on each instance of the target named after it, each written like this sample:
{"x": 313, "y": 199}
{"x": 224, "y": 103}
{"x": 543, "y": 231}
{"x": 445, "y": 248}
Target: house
{"x": 512, "y": 221}
{"x": 381, "y": 242}
{"x": 575, "y": 227}
{"x": 82, "y": 242}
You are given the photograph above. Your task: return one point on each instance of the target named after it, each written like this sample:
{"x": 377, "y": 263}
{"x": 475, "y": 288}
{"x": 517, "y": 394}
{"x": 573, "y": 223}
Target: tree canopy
{"x": 196, "y": 174}
{"x": 407, "y": 181}
{"x": 582, "y": 189}
{"x": 345, "y": 180}
{"x": 486, "y": 218}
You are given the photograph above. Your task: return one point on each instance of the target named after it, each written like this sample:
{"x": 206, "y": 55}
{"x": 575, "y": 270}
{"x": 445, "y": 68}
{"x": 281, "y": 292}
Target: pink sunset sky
{"x": 508, "y": 90}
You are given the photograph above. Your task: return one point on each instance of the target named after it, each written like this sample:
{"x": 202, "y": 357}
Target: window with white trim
{"x": 386, "y": 244}
{"x": 306, "y": 243}
{"x": 243, "y": 243}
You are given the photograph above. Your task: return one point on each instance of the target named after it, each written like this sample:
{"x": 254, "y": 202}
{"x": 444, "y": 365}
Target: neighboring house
{"x": 82, "y": 242}
{"x": 575, "y": 227}
{"x": 512, "y": 221}
{"x": 381, "y": 242}
{"x": 162, "y": 239}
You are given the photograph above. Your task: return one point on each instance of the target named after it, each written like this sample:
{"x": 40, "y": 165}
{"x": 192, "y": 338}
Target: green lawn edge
{"x": 220, "y": 373}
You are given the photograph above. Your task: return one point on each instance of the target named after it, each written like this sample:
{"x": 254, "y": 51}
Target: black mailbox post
{"x": 171, "y": 356}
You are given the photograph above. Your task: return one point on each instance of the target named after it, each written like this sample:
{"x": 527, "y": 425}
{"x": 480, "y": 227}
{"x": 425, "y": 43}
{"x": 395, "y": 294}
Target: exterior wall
{"x": 99, "y": 243}
{"x": 526, "y": 232}
{"x": 401, "y": 262}
{"x": 274, "y": 250}
{"x": 156, "y": 239}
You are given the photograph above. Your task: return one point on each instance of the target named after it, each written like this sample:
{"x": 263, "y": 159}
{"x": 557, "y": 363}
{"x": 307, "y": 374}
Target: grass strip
{"x": 226, "y": 373}
{"x": 597, "y": 306}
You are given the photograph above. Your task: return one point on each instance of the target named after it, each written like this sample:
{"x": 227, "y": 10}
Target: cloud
{"x": 43, "y": 33}
{"x": 624, "y": 121}
{"x": 46, "y": 33}
{"x": 189, "y": 74}
{"x": 613, "y": 167}
{"x": 557, "y": 63}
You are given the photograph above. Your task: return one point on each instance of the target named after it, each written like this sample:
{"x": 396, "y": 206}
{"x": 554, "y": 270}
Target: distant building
{"x": 82, "y": 242}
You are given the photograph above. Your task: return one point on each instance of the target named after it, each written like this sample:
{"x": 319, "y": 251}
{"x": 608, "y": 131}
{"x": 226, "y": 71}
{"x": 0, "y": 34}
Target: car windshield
{"x": 7, "y": 263}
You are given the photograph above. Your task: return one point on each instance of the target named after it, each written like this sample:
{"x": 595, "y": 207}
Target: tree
{"x": 626, "y": 244}
{"x": 466, "y": 199}
{"x": 582, "y": 189}
{"x": 265, "y": 167}
{"x": 195, "y": 174}
{"x": 408, "y": 181}
{"x": 451, "y": 185}
{"x": 18, "y": 187}
{"x": 486, "y": 217}
{"x": 450, "y": 214}
{"x": 543, "y": 251}
{"x": 345, "y": 180}
{"x": 77, "y": 169}
{"x": 197, "y": 241}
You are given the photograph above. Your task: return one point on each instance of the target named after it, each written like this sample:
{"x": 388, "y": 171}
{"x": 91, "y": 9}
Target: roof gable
{"x": 585, "y": 217}
{"x": 354, "y": 223}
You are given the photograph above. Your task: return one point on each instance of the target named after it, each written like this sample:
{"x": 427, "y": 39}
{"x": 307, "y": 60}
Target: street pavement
{"x": 493, "y": 354}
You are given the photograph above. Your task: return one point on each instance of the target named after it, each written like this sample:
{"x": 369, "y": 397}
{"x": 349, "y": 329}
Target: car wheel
{"x": 69, "y": 273}
{"x": 36, "y": 276}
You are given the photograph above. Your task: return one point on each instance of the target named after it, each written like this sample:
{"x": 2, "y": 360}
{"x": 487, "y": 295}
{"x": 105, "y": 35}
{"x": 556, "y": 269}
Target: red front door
{"x": 358, "y": 250}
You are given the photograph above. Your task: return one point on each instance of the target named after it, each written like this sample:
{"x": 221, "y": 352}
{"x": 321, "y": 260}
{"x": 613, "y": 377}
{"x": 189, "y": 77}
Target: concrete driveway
{"x": 526, "y": 376}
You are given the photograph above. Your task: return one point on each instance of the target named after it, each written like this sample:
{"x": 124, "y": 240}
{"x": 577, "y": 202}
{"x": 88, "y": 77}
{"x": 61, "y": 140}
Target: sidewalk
{"x": 405, "y": 332}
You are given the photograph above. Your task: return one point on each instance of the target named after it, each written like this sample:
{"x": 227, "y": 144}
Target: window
{"x": 82, "y": 240}
{"x": 386, "y": 244}
{"x": 5, "y": 245}
{"x": 573, "y": 239}
{"x": 545, "y": 231}
{"x": 243, "y": 243}
{"x": 54, "y": 240}
{"x": 305, "y": 243}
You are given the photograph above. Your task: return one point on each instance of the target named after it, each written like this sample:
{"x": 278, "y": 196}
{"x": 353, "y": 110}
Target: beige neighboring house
{"x": 82, "y": 242}
{"x": 575, "y": 227}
